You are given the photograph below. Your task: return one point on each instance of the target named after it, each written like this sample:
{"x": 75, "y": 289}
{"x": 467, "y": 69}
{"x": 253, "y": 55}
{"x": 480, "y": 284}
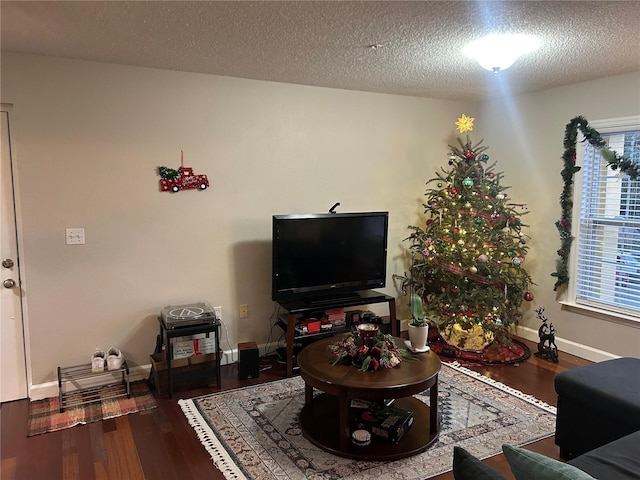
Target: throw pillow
{"x": 468, "y": 467}
{"x": 526, "y": 465}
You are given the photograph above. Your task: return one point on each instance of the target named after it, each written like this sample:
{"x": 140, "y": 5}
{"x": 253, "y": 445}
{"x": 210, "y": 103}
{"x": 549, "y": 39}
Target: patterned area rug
{"x": 45, "y": 416}
{"x": 253, "y": 432}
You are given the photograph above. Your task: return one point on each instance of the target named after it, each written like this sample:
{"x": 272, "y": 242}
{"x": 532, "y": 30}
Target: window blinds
{"x": 608, "y": 261}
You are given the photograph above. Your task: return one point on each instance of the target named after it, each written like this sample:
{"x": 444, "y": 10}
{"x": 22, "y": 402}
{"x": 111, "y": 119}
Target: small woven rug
{"x": 253, "y": 432}
{"x": 45, "y": 416}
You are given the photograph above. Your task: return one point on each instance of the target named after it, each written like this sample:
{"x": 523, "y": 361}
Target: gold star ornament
{"x": 465, "y": 124}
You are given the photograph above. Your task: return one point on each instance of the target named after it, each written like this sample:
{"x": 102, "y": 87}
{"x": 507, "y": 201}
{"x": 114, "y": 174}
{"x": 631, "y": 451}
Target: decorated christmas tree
{"x": 467, "y": 260}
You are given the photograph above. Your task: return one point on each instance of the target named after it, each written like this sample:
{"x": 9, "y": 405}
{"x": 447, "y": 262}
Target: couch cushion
{"x": 526, "y": 465}
{"x": 618, "y": 460}
{"x": 468, "y": 467}
{"x": 612, "y": 386}
{"x": 597, "y": 404}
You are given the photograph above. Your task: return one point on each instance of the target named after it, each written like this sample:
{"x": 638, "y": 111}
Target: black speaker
{"x": 248, "y": 365}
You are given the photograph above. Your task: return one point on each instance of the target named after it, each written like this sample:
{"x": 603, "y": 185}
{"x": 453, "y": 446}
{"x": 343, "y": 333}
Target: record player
{"x": 176, "y": 316}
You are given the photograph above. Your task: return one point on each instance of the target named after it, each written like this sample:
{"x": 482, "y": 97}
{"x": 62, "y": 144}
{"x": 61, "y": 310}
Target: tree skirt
{"x": 493, "y": 354}
{"x": 253, "y": 432}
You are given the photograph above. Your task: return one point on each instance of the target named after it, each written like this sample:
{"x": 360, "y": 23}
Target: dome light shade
{"x": 498, "y": 52}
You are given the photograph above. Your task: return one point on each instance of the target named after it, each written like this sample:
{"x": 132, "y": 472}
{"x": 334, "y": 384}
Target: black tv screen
{"x": 328, "y": 254}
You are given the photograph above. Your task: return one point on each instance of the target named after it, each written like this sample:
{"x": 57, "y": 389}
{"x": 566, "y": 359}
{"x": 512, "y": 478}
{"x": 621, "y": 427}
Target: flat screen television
{"x": 328, "y": 255}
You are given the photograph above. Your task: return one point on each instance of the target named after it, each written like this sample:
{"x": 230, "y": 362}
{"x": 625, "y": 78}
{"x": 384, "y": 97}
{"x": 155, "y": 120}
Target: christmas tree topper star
{"x": 465, "y": 124}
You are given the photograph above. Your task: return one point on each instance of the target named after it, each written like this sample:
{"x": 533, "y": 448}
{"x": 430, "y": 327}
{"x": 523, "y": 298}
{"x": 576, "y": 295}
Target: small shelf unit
{"x": 108, "y": 384}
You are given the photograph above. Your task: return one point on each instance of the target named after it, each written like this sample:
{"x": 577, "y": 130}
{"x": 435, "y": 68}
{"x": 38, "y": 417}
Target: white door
{"x": 13, "y": 373}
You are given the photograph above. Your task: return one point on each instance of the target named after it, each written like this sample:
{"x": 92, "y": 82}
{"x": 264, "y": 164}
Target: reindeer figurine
{"x": 547, "y": 348}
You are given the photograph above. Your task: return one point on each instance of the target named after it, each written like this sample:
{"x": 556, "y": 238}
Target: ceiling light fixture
{"x": 496, "y": 52}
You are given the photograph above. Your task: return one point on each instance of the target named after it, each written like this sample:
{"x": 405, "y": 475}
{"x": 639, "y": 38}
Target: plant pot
{"x": 418, "y": 337}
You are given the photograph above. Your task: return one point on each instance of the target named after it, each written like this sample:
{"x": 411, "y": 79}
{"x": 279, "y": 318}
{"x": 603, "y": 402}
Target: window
{"x": 607, "y": 267}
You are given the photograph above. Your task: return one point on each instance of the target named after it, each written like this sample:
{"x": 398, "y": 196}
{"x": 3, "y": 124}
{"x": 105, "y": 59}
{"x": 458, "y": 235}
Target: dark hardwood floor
{"x": 160, "y": 444}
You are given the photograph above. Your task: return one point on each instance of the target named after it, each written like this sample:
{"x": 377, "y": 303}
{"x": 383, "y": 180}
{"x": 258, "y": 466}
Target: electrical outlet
{"x": 74, "y": 236}
{"x": 218, "y": 312}
{"x": 244, "y": 310}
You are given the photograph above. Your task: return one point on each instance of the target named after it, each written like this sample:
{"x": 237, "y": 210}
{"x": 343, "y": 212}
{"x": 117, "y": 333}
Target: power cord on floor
{"x": 274, "y": 314}
{"x": 228, "y": 343}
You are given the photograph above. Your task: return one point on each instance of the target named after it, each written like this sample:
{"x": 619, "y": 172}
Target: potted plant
{"x": 419, "y": 326}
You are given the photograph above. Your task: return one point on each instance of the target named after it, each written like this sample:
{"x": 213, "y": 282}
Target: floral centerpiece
{"x": 377, "y": 352}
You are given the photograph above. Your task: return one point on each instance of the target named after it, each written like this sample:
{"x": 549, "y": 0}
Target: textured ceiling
{"x": 329, "y": 44}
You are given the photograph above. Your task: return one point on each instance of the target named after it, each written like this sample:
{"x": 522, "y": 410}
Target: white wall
{"x": 527, "y": 136}
{"x": 88, "y": 138}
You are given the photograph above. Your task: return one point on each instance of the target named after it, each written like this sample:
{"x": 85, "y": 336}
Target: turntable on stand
{"x": 187, "y": 320}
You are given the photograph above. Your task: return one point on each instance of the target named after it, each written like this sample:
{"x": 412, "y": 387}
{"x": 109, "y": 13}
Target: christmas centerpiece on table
{"x": 368, "y": 352}
{"x": 468, "y": 256}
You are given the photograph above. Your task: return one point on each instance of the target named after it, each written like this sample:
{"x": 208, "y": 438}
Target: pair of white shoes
{"x": 112, "y": 359}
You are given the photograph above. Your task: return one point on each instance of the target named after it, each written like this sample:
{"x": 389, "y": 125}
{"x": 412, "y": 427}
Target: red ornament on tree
{"x": 528, "y": 296}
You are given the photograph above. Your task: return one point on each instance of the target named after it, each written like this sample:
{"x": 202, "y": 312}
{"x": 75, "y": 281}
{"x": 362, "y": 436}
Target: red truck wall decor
{"x": 181, "y": 179}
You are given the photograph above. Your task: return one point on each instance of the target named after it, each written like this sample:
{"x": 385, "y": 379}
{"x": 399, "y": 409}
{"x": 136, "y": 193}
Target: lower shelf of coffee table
{"x": 319, "y": 423}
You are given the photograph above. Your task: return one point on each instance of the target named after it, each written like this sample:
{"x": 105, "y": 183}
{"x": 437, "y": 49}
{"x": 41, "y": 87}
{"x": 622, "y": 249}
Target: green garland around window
{"x": 615, "y": 161}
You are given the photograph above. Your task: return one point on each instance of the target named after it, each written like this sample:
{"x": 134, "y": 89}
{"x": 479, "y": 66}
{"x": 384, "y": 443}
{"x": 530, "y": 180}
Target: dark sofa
{"x": 597, "y": 404}
{"x": 597, "y": 429}
{"x": 617, "y": 460}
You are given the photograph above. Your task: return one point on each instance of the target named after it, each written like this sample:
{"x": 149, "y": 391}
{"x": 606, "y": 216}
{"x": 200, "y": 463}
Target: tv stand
{"x": 304, "y": 305}
{"x": 322, "y": 300}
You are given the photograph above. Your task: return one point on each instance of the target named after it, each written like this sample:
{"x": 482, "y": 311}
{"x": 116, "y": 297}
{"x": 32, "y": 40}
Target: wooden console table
{"x": 325, "y": 419}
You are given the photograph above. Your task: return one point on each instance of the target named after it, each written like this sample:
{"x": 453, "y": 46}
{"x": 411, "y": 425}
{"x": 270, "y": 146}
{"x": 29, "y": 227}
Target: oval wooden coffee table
{"x": 324, "y": 420}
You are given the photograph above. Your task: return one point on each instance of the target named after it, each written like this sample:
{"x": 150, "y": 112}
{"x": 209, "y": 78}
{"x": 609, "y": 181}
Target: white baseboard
{"x": 567, "y": 346}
